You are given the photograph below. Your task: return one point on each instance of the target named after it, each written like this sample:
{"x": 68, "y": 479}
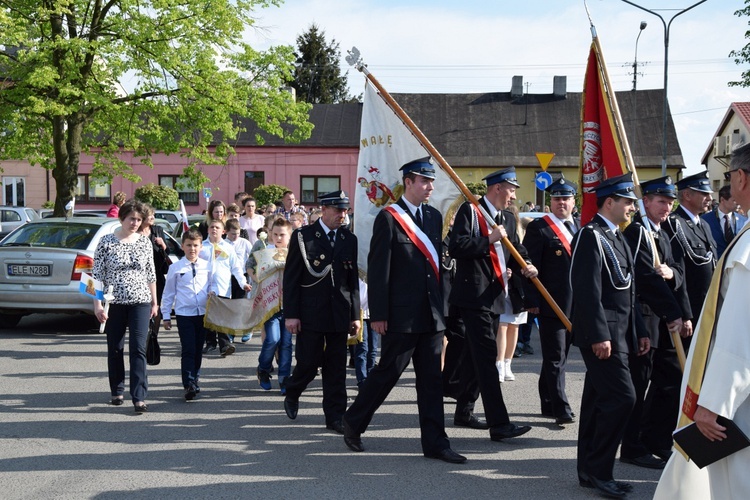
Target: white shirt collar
{"x": 693, "y": 217}
{"x": 412, "y": 208}
{"x": 612, "y": 227}
{"x": 490, "y": 207}
{"x": 326, "y": 229}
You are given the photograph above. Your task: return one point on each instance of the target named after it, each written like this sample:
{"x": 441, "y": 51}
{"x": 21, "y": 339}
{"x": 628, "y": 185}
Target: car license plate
{"x": 27, "y": 270}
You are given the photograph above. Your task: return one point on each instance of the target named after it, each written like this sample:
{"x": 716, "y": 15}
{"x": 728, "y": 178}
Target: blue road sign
{"x": 542, "y": 180}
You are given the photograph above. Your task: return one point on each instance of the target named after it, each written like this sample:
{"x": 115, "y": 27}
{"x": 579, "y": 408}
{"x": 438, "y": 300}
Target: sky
{"x": 440, "y": 46}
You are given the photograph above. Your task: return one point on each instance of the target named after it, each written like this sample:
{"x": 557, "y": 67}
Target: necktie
{"x": 570, "y": 227}
{"x": 193, "y": 265}
{"x": 331, "y": 236}
{"x": 499, "y": 219}
{"x": 728, "y": 232}
{"x": 419, "y": 218}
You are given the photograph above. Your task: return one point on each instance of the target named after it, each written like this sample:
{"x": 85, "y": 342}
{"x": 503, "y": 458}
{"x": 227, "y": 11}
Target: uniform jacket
{"x": 327, "y": 303}
{"x": 717, "y": 228}
{"x": 475, "y": 285}
{"x": 601, "y": 310}
{"x": 698, "y": 269}
{"x": 402, "y": 286}
{"x": 660, "y": 299}
{"x": 548, "y": 254}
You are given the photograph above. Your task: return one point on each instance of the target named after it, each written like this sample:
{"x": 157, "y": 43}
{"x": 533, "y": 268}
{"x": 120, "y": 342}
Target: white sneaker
{"x": 509, "y": 377}
{"x": 500, "y": 371}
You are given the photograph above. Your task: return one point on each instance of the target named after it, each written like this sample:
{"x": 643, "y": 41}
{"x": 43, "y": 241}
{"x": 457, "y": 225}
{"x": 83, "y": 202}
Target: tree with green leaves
{"x": 742, "y": 56}
{"x": 148, "y": 76}
{"x": 317, "y": 75}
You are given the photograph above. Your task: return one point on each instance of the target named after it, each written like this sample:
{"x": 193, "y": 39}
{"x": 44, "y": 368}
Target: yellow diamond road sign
{"x": 544, "y": 159}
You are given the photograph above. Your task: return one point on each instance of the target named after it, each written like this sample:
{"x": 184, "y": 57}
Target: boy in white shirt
{"x": 186, "y": 291}
{"x": 224, "y": 264}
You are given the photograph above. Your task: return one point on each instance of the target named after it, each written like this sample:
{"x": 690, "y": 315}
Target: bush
{"x": 477, "y": 188}
{"x": 269, "y": 193}
{"x": 159, "y": 197}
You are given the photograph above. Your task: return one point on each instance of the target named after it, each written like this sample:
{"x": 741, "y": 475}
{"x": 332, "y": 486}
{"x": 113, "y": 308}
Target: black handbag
{"x": 153, "y": 351}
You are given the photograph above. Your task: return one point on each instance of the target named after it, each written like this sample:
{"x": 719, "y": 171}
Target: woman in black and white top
{"x": 125, "y": 260}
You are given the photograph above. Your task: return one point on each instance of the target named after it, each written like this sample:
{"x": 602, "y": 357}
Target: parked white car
{"x": 12, "y": 217}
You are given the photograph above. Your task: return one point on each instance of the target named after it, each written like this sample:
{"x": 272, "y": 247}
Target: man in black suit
{"x": 724, "y": 220}
{"x": 406, "y": 308}
{"x": 548, "y": 240}
{"x": 660, "y": 291}
{"x": 692, "y": 244}
{"x": 321, "y": 306}
{"x": 479, "y": 292}
{"x": 604, "y": 328}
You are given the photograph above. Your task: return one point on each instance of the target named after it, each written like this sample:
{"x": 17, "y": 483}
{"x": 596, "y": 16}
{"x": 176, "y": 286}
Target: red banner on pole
{"x": 601, "y": 150}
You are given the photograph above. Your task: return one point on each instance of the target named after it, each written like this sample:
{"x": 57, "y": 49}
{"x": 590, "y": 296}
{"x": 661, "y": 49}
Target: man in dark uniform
{"x": 321, "y": 306}
{"x": 692, "y": 244}
{"x": 659, "y": 288}
{"x": 480, "y": 294}
{"x": 606, "y": 328}
{"x": 406, "y": 308}
{"x": 548, "y": 240}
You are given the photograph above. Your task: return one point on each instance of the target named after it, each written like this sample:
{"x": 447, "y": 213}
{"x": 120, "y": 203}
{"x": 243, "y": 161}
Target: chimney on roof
{"x": 516, "y": 90}
{"x": 559, "y": 87}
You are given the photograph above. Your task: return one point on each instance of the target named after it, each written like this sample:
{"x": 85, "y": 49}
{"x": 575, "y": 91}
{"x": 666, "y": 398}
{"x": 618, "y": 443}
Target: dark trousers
{"x": 555, "y": 341}
{"x": 223, "y": 339}
{"x": 135, "y": 318}
{"x": 640, "y": 374}
{"x": 608, "y": 397}
{"x": 662, "y": 401}
{"x": 192, "y": 336}
{"x": 478, "y": 371}
{"x": 455, "y": 353}
{"x": 326, "y": 349}
{"x": 423, "y": 349}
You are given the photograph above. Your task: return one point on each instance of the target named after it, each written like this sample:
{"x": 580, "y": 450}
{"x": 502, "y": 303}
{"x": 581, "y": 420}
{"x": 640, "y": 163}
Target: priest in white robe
{"x": 725, "y": 366}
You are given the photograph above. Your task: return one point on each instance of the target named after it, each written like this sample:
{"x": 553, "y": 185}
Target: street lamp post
{"x": 666, "y": 59}
{"x": 635, "y": 58}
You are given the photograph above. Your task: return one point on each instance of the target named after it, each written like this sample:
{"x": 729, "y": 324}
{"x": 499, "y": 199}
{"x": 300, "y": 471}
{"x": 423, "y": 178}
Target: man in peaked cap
{"x": 480, "y": 294}
{"x": 606, "y": 328}
{"x": 406, "y": 308}
{"x": 548, "y": 240}
{"x": 692, "y": 244}
{"x": 321, "y": 306}
{"x": 662, "y": 299}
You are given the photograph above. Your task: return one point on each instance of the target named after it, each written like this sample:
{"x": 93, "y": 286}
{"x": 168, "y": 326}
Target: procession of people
{"x": 631, "y": 286}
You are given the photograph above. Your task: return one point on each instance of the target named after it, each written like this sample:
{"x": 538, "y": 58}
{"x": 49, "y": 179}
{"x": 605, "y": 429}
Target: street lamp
{"x": 666, "y": 58}
{"x": 635, "y": 58}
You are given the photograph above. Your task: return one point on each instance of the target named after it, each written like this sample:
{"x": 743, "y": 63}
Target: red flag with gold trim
{"x": 601, "y": 150}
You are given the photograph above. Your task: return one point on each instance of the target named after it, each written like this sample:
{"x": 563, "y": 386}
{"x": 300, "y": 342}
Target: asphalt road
{"x": 59, "y": 437}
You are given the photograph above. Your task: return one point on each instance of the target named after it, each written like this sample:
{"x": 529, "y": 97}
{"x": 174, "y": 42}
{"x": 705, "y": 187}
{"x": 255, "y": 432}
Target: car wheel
{"x": 9, "y": 320}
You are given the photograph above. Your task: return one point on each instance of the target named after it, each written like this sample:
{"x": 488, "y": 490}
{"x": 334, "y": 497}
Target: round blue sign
{"x": 543, "y": 180}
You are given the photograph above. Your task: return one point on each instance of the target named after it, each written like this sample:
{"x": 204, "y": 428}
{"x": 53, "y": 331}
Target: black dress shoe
{"x": 351, "y": 438}
{"x": 584, "y": 481}
{"x": 507, "y": 431}
{"x": 336, "y": 425}
{"x": 647, "y": 461}
{"x": 565, "y": 419}
{"x": 291, "y": 406}
{"x": 447, "y": 455}
{"x": 608, "y": 489}
{"x": 141, "y": 408}
{"x": 117, "y": 401}
{"x": 190, "y": 393}
{"x": 471, "y": 421}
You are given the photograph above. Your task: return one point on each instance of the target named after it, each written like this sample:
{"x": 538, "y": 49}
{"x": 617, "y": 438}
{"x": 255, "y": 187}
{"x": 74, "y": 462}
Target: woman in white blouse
{"x": 125, "y": 260}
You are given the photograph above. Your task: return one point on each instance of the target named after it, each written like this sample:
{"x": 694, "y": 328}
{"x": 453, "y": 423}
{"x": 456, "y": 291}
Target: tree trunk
{"x": 66, "y": 140}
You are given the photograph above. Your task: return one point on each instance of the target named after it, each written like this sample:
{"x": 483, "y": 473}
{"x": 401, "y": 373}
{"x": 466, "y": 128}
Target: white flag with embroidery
{"x": 385, "y": 145}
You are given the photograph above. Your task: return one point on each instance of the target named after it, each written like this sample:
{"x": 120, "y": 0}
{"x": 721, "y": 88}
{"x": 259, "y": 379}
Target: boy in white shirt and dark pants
{"x": 186, "y": 290}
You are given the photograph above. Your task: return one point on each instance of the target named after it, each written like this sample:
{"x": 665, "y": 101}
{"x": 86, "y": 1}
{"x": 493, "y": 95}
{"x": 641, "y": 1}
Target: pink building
{"x": 327, "y": 161}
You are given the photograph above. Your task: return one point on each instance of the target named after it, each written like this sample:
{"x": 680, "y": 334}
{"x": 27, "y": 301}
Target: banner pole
{"x": 355, "y": 61}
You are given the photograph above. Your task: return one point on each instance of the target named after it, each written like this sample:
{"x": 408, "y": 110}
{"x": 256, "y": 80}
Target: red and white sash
{"x": 560, "y": 231}
{"x": 496, "y": 250}
{"x": 416, "y": 235}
